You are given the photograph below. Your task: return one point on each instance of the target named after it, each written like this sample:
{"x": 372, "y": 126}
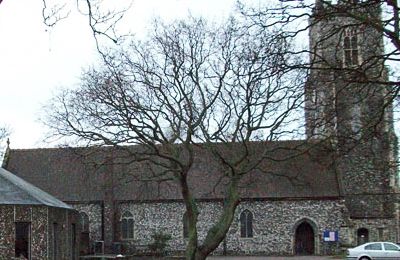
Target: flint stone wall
{"x": 94, "y": 212}
{"x": 41, "y": 219}
{"x": 378, "y": 230}
{"x": 274, "y": 224}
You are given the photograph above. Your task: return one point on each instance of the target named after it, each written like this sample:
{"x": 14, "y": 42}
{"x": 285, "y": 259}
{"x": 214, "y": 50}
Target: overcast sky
{"x": 35, "y": 61}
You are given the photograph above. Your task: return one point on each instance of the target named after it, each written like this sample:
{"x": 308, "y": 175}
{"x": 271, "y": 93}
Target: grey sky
{"x": 35, "y": 61}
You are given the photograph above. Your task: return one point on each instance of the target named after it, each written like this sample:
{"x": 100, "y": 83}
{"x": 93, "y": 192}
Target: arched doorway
{"x": 304, "y": 239}
{"x": 362, "y": 236}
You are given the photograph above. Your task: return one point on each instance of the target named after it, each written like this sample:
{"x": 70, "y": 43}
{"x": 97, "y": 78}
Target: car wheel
{"x": 364, "y": 258}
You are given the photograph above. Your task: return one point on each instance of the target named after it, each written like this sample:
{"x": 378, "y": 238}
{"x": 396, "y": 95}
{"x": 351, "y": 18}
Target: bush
{"x": 160, "y": 242}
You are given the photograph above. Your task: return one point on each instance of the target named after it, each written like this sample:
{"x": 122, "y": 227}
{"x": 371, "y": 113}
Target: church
{"x": 340, "y": 191}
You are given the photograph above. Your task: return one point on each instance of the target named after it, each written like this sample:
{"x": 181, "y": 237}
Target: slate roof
{"x": 16, "y": 191}
{"x": 81, "y": 174}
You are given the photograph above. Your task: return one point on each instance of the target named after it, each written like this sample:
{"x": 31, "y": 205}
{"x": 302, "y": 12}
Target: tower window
{"x": 356, "y": 125}
{"x": 350, "y": 47}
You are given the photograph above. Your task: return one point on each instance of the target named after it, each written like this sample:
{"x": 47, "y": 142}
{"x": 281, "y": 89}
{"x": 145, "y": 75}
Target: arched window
{"x": 246, "y": 224}
{"x": 356, "y": 125}
{"x": 84, "y": 222}
{"x": 350, "y": 47}
{"x": 127, "y": 225}
{"x": 185, "y": 223}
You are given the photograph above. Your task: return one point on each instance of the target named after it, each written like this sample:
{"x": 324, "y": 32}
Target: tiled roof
{"x": 16, "y": 191}
{"x": 85, "y": 174}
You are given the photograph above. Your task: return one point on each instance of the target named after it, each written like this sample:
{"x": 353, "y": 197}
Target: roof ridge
{"x": 90, "y": 147}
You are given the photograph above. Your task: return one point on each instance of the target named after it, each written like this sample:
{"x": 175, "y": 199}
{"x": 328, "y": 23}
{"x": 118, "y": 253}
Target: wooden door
{"x": 304, "y": 239}
{"x": 84, "y": 248}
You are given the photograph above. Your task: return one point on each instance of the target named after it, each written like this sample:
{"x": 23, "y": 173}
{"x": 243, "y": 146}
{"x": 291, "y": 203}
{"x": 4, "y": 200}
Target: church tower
{"x": 347, "y": 105}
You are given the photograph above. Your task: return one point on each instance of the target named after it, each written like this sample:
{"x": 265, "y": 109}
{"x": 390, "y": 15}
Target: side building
{"x": 34, "y": 224}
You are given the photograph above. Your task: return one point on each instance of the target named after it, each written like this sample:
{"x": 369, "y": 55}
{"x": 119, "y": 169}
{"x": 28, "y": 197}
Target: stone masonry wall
{"x": 274, "y": 224}
{"x": 378, "y": 230}
{"x": 94, "y": 212}
{"x": 6, "y": 231}
{"x": 40, "y": 219}
{"x": 64, "y": 219}
{"x": 36, "y": 216}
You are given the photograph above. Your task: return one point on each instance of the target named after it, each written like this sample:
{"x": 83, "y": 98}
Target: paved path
{"x": 270, "y": 258}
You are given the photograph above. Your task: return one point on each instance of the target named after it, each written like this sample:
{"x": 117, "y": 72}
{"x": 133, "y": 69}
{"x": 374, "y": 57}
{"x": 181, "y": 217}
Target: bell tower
{"x": 347, "y": 103}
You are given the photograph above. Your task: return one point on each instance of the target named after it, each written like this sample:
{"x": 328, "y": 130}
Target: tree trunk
{"x": 218, "y": 232}
{"x": 200, "y": 256}
{"x": 192, "y": 214}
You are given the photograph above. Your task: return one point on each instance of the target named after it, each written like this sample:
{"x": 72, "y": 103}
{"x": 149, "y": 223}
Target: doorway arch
{"x": 362, "y": 236}
{"x": 305, "y": 238}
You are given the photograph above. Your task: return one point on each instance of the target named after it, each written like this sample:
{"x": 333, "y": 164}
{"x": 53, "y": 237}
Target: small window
{"x": 84, "y": 222}
{"x": 127, "y": 225}
{"x": 185, "y": 222}
{"x": 374, "y": 246}
{"x": 246, "y": 224}
{"x": 350, "y": 47}
{"x": 55, "y": 241}
{"x": 391, "y": 247}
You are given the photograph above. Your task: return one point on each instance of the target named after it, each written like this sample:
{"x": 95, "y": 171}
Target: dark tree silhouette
{"x": 189, "y": 87}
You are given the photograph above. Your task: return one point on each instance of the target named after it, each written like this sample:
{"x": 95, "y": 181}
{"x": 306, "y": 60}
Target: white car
{"x": 374, "y": 250}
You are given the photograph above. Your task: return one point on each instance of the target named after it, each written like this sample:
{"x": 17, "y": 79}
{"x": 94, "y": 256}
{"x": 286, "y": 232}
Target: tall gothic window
{"x": 350, "y": 47}
{"x": 246, "y": 224}
{"x": 127, "y": 225}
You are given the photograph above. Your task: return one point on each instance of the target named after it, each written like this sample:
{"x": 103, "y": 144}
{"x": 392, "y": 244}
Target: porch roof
{"x": 14, "y": 190}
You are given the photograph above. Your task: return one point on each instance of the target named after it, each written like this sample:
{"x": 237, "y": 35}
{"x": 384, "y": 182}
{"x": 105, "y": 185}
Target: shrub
{"x": 160, "y": 242}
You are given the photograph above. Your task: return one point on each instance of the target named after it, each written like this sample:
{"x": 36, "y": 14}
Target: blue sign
{"x": 331, "y": 236}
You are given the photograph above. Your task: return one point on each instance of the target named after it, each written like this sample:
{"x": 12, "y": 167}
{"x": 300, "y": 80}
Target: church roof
{"x": 16, "y": 191}
{"x": 87, "y": 174}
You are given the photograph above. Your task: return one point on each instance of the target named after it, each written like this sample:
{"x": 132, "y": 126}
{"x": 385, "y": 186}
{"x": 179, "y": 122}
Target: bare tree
{"x": 189, "y": 87}
{"x": 103, "y": 17}
{"x": 4, "y": 133}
